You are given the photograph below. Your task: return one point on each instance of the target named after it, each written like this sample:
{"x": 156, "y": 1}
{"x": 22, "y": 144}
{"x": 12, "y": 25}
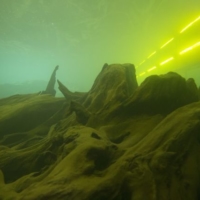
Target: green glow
{"x": 167, "y": 43}
{"x": 151, "y": 69}
{"x": 152, "y": 54}
{"x": 48, "y": 33}
{"x": 166, "y": 61}
{"x": 190, "y": 24}
{"x": 142, "y": 73}
{"x": 190, "y": 48}
{"x": 142, "y": 62}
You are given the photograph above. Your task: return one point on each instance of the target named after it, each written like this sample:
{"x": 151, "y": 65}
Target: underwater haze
{"x": 157, "y": 36}
{"x": 122, "y": 122}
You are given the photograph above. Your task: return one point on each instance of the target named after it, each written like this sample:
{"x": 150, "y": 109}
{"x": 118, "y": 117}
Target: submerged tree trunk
{"x": 118, "y": 141}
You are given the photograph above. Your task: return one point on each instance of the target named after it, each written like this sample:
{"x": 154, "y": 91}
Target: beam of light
{"x": 190, "y": 48}
{"x": 167, "y": 43}
{"x": 151, "y": 54}
{"x": 142, "y": 73}
{"x": 186, "y": 50}
{"x": 190, "y": 24}
{"x": 166, "y": 61}
{"x": 151, "y": 69}
{"x": 142, "y": 62}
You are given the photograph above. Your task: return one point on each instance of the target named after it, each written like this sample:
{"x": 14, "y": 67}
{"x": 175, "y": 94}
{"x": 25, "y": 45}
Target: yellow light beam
{"x": 151, "y": 69}
{"x": 166, "y": 61}
{"x": 190, "y": 24}
{"x": 142, "y": 73}
{"x": 190, "y": 48}
{"x": 151, "y": 54}
{"x": 185, "y": 50}
{"x": 142, "y": 62}
{"x": 166, "y": 43}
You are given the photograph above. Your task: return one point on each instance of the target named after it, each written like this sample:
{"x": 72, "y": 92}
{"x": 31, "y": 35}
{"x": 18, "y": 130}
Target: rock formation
{"x": 118, "y": 141}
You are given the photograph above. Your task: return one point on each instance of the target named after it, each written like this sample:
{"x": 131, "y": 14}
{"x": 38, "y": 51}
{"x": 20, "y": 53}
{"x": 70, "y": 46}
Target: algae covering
{"x": 105, "y": 143}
